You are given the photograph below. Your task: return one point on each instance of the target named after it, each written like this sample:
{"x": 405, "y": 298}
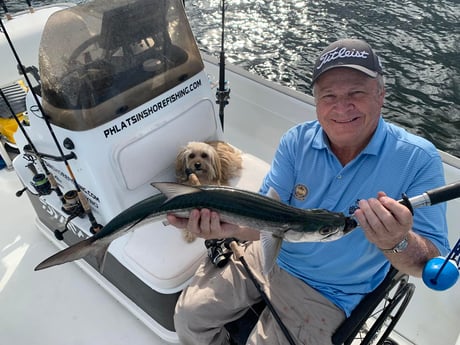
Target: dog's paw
{"x": 189, "y": 236}
{"x": 193, "y": 180}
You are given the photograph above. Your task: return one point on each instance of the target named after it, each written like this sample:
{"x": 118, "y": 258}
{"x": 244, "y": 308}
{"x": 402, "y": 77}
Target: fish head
{"x": 323, "y": 234}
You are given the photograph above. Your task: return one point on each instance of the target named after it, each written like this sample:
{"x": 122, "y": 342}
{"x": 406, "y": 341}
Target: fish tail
{"x": 82, "y": 249}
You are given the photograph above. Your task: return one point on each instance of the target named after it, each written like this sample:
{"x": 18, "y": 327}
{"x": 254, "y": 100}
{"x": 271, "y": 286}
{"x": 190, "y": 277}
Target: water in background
{"x": 418, "y": 42}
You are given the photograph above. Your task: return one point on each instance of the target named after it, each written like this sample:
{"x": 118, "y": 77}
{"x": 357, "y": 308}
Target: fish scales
{"x": 138, "y": 212}
{"x": 254, "y": 206}
{"x": 244, "y": 208}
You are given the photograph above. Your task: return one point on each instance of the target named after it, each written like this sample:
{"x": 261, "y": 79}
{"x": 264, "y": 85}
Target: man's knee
{"x": 183, "y": 315}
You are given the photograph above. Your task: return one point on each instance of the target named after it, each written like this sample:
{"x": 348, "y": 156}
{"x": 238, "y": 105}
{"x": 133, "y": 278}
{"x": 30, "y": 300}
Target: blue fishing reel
{"x": 442, "y": 273}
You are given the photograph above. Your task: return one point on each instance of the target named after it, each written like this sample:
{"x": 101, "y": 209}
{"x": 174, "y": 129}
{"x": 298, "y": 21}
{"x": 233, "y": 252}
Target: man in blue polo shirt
{"x": 349, "y": 157}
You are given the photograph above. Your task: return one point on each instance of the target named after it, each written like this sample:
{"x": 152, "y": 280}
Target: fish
{"x": 96, "y": 246}
{"x": 236, "y": 206}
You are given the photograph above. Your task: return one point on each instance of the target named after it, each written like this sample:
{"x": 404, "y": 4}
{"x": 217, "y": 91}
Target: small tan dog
{"x": 207, "y": 163}
{"x": 212, "y": 163}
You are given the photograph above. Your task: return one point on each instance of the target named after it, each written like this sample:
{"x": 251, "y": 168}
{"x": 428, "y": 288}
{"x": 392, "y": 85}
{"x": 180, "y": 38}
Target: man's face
{"x": 348, "y": 105}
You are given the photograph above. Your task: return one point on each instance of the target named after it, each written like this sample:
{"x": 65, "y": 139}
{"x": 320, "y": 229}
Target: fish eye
{"x": 326, "y": 231}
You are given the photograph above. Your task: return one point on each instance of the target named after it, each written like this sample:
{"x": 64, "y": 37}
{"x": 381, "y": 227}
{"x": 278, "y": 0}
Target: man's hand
{"x": 385, "y": 221}
{"x": 206, "y": 224}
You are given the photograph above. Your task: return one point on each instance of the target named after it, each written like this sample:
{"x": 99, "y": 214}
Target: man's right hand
{"x": 206, "y": 224}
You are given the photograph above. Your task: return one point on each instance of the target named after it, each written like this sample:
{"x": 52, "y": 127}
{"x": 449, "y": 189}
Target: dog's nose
{"x": 198, "y": 165}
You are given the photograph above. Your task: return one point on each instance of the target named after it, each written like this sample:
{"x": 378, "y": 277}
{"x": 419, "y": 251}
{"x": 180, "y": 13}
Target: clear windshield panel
{"x": 102, "y": 59}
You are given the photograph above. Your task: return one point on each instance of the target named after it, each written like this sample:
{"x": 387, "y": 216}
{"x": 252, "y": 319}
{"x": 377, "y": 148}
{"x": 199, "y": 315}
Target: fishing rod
{"x": 222, "y": 93}
{"x": 239, "y": 256}
{"x": 7, "y": 13}
{"x": 31, "y": 9}
{"x": 439, "y": 273}
{"x": 433, "y": 196}
{"x": 428, "y": 198}
{"x": 43, "y": 183}
{"x": 95, "y": 226}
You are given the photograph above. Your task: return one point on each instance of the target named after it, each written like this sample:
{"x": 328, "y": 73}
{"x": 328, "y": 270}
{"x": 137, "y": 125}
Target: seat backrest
{"x": 363, "y": 310}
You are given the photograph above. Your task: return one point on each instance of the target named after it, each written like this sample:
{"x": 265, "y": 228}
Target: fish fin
{"x": 270, "y": 244}
{"x": 80, "y": 250}
{"x": 101, "y": 255}
{"x": 171, "y": 189}
{"x": 272, "y": 193}
{"x": 270, "y": 249}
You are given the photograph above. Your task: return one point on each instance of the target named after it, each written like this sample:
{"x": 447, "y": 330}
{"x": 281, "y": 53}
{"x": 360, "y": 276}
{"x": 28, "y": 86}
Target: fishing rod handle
{"x": 436, "y": 195}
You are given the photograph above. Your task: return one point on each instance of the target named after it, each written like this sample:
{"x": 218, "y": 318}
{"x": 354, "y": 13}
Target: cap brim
{"x": 367, "y": 71}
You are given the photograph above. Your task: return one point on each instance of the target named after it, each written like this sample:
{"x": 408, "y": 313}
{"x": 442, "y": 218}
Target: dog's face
{"x": 199, "y": 158}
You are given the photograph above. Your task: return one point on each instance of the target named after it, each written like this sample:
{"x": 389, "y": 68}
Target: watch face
{"x": 401, "y": 246}
{"x": 397, "y": 248}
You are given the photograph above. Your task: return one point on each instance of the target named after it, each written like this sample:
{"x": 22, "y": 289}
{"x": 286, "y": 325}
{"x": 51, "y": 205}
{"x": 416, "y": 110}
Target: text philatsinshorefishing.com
{"x": 168, "y": 100}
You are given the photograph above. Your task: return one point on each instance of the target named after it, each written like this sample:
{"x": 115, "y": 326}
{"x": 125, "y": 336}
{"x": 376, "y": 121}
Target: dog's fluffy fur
{"x": 207, "y": 163}
{"x": 213, "y": 163}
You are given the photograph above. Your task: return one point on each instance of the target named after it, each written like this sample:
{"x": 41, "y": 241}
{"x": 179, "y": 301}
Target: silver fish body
{"x": 234, "y": 206}
{"x": 256, "y": 211}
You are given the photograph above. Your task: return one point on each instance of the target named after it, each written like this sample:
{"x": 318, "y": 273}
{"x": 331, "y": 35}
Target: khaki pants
{"x": 217, "y": 296}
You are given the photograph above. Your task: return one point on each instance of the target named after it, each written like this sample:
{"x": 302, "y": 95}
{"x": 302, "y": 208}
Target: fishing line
{"x": 50, "y": 177}
{"x": 83, "y": 200}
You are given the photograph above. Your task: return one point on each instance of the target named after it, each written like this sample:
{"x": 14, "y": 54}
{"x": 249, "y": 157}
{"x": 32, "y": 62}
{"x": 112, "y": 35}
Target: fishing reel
{"x": 72, "y": 204}
{"x": 219, "y": 250}
{"x": 39, "y": 181}
{"x": 441, "y": 273}
{"x": 41, "y": 184}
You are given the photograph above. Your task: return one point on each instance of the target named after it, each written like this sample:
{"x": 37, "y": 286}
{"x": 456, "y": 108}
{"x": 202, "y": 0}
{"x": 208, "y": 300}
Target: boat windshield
{"x": 104, "y": 58}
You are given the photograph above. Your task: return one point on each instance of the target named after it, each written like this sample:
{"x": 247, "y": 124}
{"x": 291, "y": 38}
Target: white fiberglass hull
{"x": 61, "y": 306}
{"x": 65, "y": 305}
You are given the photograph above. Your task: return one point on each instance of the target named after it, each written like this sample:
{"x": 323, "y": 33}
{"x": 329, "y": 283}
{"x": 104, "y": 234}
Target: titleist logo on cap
{"x": 343, "y": 53}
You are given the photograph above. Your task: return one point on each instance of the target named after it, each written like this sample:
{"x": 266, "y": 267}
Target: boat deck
{"x": 54, "y": 306}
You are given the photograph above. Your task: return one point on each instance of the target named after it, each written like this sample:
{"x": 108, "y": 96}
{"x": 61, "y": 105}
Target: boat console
{"x": 122, "y": 92}
{"x": 112, "y": 58}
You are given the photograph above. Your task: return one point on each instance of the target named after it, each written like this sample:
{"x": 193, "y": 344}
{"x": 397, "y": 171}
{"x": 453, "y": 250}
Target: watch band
{"x": 398, "y": 248}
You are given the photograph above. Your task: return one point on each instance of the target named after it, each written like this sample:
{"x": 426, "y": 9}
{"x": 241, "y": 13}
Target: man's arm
{"x": 387, "y": 223}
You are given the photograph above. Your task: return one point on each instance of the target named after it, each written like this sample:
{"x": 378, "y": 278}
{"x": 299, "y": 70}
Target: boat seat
{"x": 382, "y": 307}
{"x": 149, "y": 253}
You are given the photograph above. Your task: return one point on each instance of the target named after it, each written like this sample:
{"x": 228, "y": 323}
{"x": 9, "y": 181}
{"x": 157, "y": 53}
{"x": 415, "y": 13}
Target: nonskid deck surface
{"x": 15, "y": 96}
{"x": 59, "y": 306}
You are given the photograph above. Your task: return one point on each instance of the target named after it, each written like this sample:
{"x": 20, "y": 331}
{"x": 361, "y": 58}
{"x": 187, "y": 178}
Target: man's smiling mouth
{"x": 346, "y": 121}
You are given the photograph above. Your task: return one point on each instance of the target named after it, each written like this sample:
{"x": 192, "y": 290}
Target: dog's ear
{"x": 230, "y": 160}
{"x": 181, "y": 160}
{"x": 216, "y": 165}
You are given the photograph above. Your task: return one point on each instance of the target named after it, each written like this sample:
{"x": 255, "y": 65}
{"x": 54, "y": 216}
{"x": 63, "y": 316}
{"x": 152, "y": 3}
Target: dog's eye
{"x": 204, "y": 155}
{"x": 192, "y": 155}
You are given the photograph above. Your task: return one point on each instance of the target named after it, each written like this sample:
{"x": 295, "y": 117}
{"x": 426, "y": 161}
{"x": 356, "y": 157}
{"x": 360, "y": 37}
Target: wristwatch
{"x": 400, "y": 247}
